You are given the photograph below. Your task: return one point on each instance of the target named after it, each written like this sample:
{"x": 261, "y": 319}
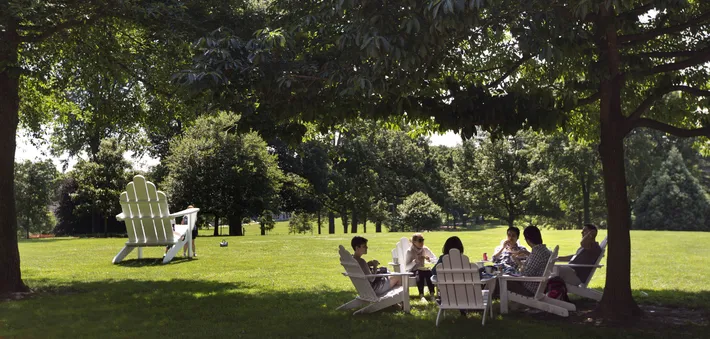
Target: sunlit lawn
{"x": 285, "y": 285}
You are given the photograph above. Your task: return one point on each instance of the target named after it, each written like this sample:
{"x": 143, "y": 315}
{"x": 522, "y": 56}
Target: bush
{"x": 418, "y": 213}
{"x": 672, "y": 199}
{"x": 300, "y": 223}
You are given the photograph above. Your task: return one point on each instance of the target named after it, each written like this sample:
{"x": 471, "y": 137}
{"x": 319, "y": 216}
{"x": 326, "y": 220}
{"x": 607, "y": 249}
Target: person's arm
{"x": 428, "y": 253}
{"x": 565, "y": 258}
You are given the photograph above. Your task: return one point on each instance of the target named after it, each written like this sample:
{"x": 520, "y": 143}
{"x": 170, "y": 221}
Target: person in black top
{"x": 587, "y": 254}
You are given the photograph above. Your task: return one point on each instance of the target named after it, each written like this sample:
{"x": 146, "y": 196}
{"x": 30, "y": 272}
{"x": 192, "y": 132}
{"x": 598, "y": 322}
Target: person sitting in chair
{"x": 505, "y": 255}
{"x": 535, "y": 264}
{"x": 416, "y": 256}
{"x": 379, "y": 284}
{"x": 587, "y": 254}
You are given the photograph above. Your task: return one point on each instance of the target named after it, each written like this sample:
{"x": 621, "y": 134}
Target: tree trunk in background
{"x": 235, "y": 224}
{"x": 320, "y": 223}
{"x": 354, "y": 223}
{"x": 364, "y": 224}
{"x": 216, "y": 226}
{"x": 586, "y": 187}
{"x": 10, "y": 274}
{"x": 105, "y": 227}
{"x": 331, "y": 222}
{"x": 378, "y": 226}
{"x": 344, "y": 218}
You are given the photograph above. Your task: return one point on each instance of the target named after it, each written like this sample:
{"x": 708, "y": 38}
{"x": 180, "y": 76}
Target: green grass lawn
{"x": 285, "y": 285}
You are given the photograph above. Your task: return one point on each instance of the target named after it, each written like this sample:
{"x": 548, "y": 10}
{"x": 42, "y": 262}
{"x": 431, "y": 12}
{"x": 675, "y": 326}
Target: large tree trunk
{"x": 354, "y": 223}
{"x": 364, "y": 224}
{"x": 10, "y": 275}
{"x": 378, "y": 226}
{"x": 617, "y": 304}
{"x": 331, "y": 222}
{"x": 235, "y": 224}
{"x": 586, "y": 187}
{"x": 216, "y": 226}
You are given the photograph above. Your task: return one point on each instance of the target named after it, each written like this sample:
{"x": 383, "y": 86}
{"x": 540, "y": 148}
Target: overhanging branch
{"x": 49, "y": 31}
{"x": 631, "y": 39}
{"x": 510, "y": 71}
{"x": 659, "y": 93}
{"x": 663, "y": 127}
{"x": 701, "y": 57}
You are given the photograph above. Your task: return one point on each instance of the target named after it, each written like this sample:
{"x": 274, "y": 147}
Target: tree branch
{"x": 663, "y": 127}
{"x": 649, "y": 35}
{"x": 676, "y": 54}
{"x": 585, "y": 101}
{"x": 510, "y": 71}
{"x": 659, "y": 93}
{"x": 700, "y": 58}
{"x": 47, "y": 32}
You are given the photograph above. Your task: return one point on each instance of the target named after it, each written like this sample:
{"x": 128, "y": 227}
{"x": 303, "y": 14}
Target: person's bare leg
{"x": 394, "y": 281}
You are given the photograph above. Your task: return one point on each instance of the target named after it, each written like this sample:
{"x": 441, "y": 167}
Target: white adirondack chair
{"x": 149, "y": 222}
{"x": 539, "y": 300}
{"x": 366, "y": 295}
{"x": 461, "y": 287}
{"x": 582, "y": 290}
{"x": 399, "y": 255}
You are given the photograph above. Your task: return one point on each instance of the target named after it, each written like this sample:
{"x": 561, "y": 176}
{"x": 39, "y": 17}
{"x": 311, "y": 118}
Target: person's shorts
{"x": 194, "y": 232}
{"x": 381, "y": 285}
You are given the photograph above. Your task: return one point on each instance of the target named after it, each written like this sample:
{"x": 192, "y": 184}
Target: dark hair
{"x": 357, "y": 241}
{"x": 532, "y": 234}
{"x": 591, "y": 227}
{"x": 514, "y": 229}
{"x": 452, "y": 242}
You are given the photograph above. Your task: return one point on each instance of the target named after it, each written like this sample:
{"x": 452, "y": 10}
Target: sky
{"x": 26, "y": 151}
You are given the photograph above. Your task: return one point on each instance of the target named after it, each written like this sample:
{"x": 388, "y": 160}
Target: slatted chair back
{"x": 146, "y": 213}
{"x": 548, "y": 272}
{"x": 357, "y": 276}
{"x": 459, "y": 282}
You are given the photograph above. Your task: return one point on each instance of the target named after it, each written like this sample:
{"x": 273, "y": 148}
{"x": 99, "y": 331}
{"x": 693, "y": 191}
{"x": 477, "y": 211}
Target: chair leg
{"x": 172, "y": 253}
{"x": 485, "y": 313}
{"x": 438, "y": 316}
{"x": 122, "y": 254}
{"x": 374, "y": 307}
{"x": 355, "y": 303}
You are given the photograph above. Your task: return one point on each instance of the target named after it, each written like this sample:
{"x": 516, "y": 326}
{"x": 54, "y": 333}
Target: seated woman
{"x": 414, "y": 262}
{"x": 507, "y": 255}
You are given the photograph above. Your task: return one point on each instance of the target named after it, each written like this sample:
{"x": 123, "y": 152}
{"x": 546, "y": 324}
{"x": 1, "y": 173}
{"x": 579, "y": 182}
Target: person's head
{"x": 532, "y": 235}
{"x": 418, "y": 240}
{"x": 513, "y": 233}
{"x": 452, "y": 242}
{"x": 359, "y": 245}
{"x": 191, "y": 206}
{"x": 589, "y": 229}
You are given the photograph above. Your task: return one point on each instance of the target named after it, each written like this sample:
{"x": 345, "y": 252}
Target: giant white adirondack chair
{"x": 399, "y": 255}
{"x": 540, "y": 300}
{"x": 460, "y": 286}
{"x": 149, "y": 222}
{"x": 582, "y": 290}
{"x": 366, "y": 295}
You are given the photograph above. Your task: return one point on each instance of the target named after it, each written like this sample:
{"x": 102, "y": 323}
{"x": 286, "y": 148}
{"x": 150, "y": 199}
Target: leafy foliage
{"x": 35, "y": 186}
{"x": 300, "y": 223}
{"x": 672, "y": 199}
{"x": 419, "y": 213}
{"x": 223, "y": 172}
{"x": 100, "y": 183}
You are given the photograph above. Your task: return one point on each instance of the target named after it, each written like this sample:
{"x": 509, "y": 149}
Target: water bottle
{"x": 485, "y": 256}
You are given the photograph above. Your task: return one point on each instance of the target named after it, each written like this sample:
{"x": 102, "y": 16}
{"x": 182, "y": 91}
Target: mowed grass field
{"x": 288, "y": 286}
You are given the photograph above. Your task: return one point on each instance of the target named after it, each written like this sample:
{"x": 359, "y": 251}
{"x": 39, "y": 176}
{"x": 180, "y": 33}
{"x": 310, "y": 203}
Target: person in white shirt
{"x": 416, "y": 256}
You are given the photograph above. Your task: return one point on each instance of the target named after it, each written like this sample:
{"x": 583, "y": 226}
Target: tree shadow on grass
{"x": 199, "y": 308}
{"x": 45, "y": 240}
{"x": 149, "y": 262}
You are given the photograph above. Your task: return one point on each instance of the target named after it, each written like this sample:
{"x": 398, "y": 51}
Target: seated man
{"x": 534, "y": 265}
{"x": 380, "y": 284}
{"x": 587, "y": 254}
{"x": 505, "y": 255}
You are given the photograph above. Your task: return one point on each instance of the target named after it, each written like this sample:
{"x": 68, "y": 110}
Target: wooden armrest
{"x": 580, "y": 265}
{"x": 377, "y": 275}
{"x": 512, "y": 278}
{"x": 184, "y": 212}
